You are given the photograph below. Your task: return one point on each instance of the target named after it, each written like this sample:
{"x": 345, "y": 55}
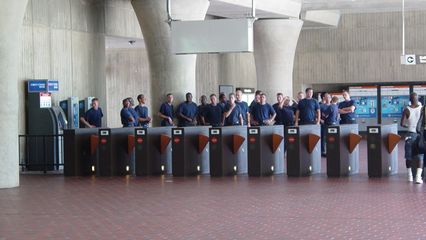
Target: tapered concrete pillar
{"x": 169, "y": 72}
{"x": 275, "y": 43}
{"x": 11, "y": 17}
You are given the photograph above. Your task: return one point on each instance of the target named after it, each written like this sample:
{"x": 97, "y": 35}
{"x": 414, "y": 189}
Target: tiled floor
{"x": 54, "y": 207}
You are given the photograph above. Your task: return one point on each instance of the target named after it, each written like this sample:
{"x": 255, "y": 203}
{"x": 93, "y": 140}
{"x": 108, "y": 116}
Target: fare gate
{"x": 79, "y": 157}
{"x": 227, "y": 150}
{"x": 190, "y": 153}
{"x": 382, "y": 151}
{"x": 265, "y": 150}
{"x": 342, "y": 150}
{"x": 303, "y": 150}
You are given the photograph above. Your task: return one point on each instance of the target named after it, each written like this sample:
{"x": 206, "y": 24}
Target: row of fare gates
{"x": 227, "y": 151}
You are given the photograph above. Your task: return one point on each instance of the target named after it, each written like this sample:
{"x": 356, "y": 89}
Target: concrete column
{"x": 169, "y": 72}
{"x": 11, "y": 17}
{"x": 275, "y": 43}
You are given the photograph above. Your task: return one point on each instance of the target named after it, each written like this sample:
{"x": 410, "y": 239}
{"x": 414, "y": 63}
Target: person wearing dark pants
{"x": 410, "y": 119}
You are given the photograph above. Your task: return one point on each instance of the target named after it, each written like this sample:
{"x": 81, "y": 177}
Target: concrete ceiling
{"x": 363, "y": 6}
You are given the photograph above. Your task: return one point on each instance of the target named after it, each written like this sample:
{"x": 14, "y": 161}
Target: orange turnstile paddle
{"x": 393, "y": 140}
{"x": 164, "y": 141}
{"x": 237, "y": 141}
{"x": 94, "y": 139}
{"x": 312, "y": 142}
{"x": 276, "y": 141}
{"x": 202, "y": 142}
{"x": 354, "y": 140}
{"x": 130, "y": 143}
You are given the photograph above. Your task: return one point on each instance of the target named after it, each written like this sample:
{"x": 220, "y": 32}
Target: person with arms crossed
{"x": 142, "y": 111}
{"x": 347, "y": 109}
{"x": 93, "y": 117}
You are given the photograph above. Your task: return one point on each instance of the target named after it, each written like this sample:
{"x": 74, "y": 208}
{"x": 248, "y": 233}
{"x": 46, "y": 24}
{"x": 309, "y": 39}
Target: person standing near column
{"x": 213, "y": 114}
{"x": 166, "y": 112}
{"x": 142, "y": 111}
{"x": 263, "y": 113}
{"x": 187, "y": 112}
{"x": 93, "y": 117}
{"x": 347, "y": 109}
{"x": 127, "y": 119}
{"x": 308, "y": 111}
{"x": 409, "y": 119}
{"x": 201, "y": 109}
{"x": 278, "y": 107}
{"x": 245, "y": 112}
{"x": 232, "y": 115}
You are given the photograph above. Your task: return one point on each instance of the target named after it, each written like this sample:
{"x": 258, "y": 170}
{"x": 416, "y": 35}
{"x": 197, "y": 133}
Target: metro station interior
{"x": 344, "y": 161}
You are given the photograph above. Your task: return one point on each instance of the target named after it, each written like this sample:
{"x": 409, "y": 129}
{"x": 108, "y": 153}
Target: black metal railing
{"x": 41, "y": 152}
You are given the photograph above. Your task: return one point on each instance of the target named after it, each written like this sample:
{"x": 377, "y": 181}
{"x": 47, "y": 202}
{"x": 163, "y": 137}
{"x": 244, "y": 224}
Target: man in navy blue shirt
{"x": 202, "y": 108}
{"x": 93, "y": 117}
{"x": 308, "y": 110}
{"x": 263, "y": 113}
{"x": 243, "y": 107}
{"x": 232, "y": 115}
{"x": 166, "y": 111}
{"x": 213, "y": 113}
{"x": 127, "y": 119}
{"x": 187, "y": 112}
{"x": 222, "y": 100}
{"x": 325, "y": 110}
{"x": 256, "y": 99}
{"x": 142, "y": 111}
{"x": 347, "y": 109}
{"x": 133, "y": 111}
{"x": 284, "y": 110}
{"x": 278, "y": 106}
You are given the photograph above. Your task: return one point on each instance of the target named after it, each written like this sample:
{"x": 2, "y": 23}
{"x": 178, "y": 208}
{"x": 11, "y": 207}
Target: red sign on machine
{"x": 176, "y": 140}
{"x": 291, "y": 139}
{"x": 252, "y": 139}
{"x": 213, "y": 140}
{"x": 140, "y": 140}
{"x": 331, "y": 139}
{"x": 103, "y": 141}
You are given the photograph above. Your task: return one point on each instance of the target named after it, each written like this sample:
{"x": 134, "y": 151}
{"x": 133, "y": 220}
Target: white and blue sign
{"x": 37, "y": 85}
{"x": 53, "y": 85}
{"x": 43, "y": 85}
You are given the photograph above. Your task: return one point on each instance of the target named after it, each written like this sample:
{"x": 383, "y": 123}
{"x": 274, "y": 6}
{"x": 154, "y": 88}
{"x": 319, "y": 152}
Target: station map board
{"x": 365, "y": 98}
{"x": 394, "y": 100}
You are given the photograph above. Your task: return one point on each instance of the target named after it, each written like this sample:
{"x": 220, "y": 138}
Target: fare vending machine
{"x": 365, "y": 98}
{"x": 72, "y": 110}
{"x": 421, "y": 93}
{"x": 85, "y": 105}
{"x": 394, "y": 100}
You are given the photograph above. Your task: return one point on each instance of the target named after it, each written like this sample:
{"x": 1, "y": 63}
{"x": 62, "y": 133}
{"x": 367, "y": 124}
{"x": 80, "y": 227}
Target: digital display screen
{"x": 365, "y": 106}
{"x": 393, "y": 106}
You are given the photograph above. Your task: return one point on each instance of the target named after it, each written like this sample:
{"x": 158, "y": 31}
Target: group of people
{"x": 231, "y": 110}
